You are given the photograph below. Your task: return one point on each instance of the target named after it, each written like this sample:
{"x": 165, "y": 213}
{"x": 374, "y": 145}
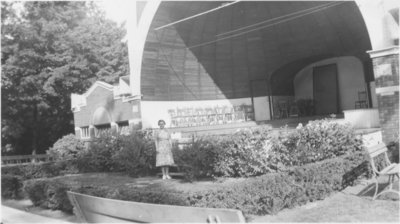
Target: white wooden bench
{"x": 391, "y": 170}
{"x": 92, "y": 209}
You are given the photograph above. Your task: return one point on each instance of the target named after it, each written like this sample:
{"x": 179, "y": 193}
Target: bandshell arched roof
{"x": 218, "y": 54}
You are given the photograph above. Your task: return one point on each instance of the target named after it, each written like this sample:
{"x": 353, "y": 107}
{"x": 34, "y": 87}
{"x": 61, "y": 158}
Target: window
{"x": 102, "y": 129}
{"x": 85, "y": 132}
{"x": 123, "y": 128}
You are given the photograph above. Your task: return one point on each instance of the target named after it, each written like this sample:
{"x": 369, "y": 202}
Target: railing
{"x": 23, "y": 159}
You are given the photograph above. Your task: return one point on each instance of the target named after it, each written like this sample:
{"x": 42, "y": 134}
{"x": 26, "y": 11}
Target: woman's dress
{"x": 163, "y": 149}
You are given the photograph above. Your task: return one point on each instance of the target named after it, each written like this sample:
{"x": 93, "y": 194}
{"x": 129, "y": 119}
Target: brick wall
{"x": 101, "y": 97}
{"x": 389, "y": 116}
{"x": 386, "y": 72}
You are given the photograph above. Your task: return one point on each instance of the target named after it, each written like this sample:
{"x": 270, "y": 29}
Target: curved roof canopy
{"x": 218, "y": 54}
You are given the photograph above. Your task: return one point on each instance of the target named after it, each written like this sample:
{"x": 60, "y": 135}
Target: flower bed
{"x": 266, "y": 194}
{"x": 282, "y": 170}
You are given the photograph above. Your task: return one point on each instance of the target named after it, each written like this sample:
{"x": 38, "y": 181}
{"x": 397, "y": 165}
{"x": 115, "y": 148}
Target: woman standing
{"x": 164, "y": 158}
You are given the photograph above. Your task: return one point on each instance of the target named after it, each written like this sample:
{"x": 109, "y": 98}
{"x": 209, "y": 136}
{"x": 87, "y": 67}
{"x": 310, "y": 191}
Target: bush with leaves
{"x": 198, "y": 159}
{"x": 133, "y": 154}
{"x": 97, "y": 157}
{"x": 65, "y": 152}
{"x": 318, "y": 140}
{"x": 243, "y": 154}
{"x": 136, "y": 154}
{"x": 11, "y": 186}
{"x": 266, "y": 194}
{"x": 49, "y": 193}
{"x": 66, "y": 148}
{"x": 33, "y": 170}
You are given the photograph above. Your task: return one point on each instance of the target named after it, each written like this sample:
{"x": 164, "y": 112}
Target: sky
{"x": 117, "y": 10}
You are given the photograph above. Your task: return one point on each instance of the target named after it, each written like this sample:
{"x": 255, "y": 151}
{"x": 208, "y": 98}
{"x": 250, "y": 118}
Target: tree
{"x": 50, "y": 50}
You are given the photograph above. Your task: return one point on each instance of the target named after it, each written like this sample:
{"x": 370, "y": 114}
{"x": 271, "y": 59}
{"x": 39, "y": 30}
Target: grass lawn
{"x": 115, "y": 180}
{"x": 345, "y": 206}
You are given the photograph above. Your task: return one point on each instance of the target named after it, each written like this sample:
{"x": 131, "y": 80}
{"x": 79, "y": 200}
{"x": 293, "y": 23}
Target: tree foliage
{"x": 50, "y": 50}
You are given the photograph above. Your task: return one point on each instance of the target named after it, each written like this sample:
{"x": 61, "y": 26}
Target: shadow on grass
{"x": 355, "y": 174}
{"x": 369, "y": 191}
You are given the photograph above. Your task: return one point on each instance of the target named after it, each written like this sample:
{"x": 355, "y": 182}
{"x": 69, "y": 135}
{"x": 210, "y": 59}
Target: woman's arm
{"x": 155, "y": 138}
{"x": 169, "y": 138}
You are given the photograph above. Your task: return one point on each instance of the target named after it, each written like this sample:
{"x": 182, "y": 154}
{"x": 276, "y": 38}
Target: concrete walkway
{"x": 354, "y": 204}
{"x": 12, "y": 215}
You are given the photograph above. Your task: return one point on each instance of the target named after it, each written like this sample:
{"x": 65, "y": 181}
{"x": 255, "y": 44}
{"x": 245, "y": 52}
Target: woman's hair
{"x": 159, "y": 121}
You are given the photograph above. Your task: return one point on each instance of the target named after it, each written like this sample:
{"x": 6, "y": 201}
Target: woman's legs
{"x": 167, "y": 172}
{"x": 164, "y": 176}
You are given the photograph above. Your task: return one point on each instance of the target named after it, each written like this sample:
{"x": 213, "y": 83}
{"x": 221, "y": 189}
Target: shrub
{"x": 270, "y": 193}
{"x": 66, "y": 148}
{"x": 138, "y": 195}
{"x": 66, "y": 151}
{"x": 32, "y": 170}
{"x": 317, "y": 141}
{"x": 321, "y": 178}
{"x": 259, "y": 195}
{"x": 11, "y": 186}
{"x": 266, "y": 194}
{"x": 243, "y": 154}
{"x": 133, "y": 154}
{"x": 136, "y": 154}
{"x": 97, "y": 158}
{"x": 198, "y": 159}
{"x": 48, "y": 193}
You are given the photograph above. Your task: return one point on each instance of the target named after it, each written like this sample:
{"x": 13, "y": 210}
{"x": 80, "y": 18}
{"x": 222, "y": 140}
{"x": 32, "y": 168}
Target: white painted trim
{"x": 384, "y": 52}
{"x": 134, "y": 121}
{"x": 387, "y": 90}
{"x": 131, "y": 98}
{"x": 98, "y": 84}
{"x": 81, "y": 131}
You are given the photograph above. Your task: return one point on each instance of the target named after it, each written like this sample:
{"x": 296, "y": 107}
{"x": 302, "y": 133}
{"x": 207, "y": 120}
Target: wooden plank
{"x": 95, "y": 210}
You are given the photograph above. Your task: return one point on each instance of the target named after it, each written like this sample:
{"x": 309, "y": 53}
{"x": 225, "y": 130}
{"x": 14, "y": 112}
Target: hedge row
{"x": 248, "y": 152}
{"x": 266, "y": 194}
{"x": 258, "y": 151}
{"x": 35, "y": 170}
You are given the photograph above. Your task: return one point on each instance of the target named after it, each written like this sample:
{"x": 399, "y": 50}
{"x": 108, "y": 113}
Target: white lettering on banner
{"x": 198, "y": 116}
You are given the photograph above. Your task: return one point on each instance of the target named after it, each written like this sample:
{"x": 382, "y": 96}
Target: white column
{"x": 382, "y": 28}
{"x": 137, "y": 33}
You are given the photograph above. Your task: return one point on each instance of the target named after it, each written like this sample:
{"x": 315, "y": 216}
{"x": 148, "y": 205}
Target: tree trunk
{"x": 34, "y": 132}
